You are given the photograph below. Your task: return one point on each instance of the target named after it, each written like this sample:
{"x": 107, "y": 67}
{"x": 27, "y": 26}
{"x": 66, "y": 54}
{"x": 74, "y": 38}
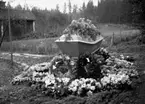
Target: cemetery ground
{"x": 10, "y": 94}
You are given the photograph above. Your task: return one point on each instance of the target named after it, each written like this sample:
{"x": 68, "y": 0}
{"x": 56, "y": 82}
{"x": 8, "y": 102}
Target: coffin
{"x": 74, "y": 48}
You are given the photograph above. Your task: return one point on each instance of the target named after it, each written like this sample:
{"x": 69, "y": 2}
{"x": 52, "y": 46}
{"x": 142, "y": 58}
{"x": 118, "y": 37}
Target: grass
{"x": 36, "y": 46}
{"x": 117, "y": 38}
{"x": 48, "y": 46}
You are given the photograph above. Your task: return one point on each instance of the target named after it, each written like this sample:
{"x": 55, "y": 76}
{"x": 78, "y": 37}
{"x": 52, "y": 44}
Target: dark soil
{"x": 27, "y": 95}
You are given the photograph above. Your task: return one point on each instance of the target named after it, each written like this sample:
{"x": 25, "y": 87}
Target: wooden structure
{"x": 22, "y": 21}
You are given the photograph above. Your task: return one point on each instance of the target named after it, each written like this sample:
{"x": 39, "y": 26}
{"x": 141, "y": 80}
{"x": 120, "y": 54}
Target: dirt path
{"x": 25, "y": 58}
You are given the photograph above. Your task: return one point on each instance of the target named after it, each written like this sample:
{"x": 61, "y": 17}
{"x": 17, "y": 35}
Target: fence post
{"x": 112, "y": 40}
{"x": 10, "y": 34}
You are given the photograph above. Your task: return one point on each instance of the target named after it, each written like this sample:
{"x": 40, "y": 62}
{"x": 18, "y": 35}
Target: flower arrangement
{"x": 81, "y": 29}
{"x": 115, "y": 81}
{"x": 61, "y": 66}
{"x": 90, "y": 73}
{"x": 83, "y": 86}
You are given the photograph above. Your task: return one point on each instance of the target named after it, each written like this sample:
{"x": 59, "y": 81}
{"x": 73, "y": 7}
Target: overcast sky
{"x": 49, "y": 4}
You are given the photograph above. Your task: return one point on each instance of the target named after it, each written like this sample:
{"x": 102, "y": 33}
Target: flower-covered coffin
{"x": 81, "y": 36}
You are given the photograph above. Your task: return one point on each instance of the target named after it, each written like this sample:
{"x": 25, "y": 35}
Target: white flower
{"x": 49, "y": 79}
{"x": 98, "y": 84}
{"x": 88, "y": 86}
{"x": 122, "y": 57}
{"x": 59, "y": 80}
{"x": 74, "y": 88}
{"x": 125, "y": 78}
{"x": 38, "y": 80}
{"x": 105, "y": 80}
{"x": 83, "y": 79}
{"x": 65, "y": 80}
{"x": 67, "y": 57}
{"x": 72, "y": 63}
{"x": 83, "y": 85}
{"x": 53, "y": 67}
{"x": 89, "y": 93}
{"x": 88, "y": 60}
{"x": 49, "y": 82}
{"x": 73, "y": 22}
{"x": 89, "y": 21}
{"x": 92, "y": 88}
{"x": 73, "y": 84}
{"x": 35, "y": 74}
{"x": 79, "y": 91}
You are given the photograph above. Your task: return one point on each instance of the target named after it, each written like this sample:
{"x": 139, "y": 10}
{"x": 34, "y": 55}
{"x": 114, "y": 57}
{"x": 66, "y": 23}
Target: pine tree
{"x": 89, "y": 11}
{"x": 57, "y": 7}
{"x": 70, "y": 10}
{"x": 69, "y": 7}
{"x": 75, "y": 7}
{"x": 84, "y": 6}
{"x": 64, "y": 9}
